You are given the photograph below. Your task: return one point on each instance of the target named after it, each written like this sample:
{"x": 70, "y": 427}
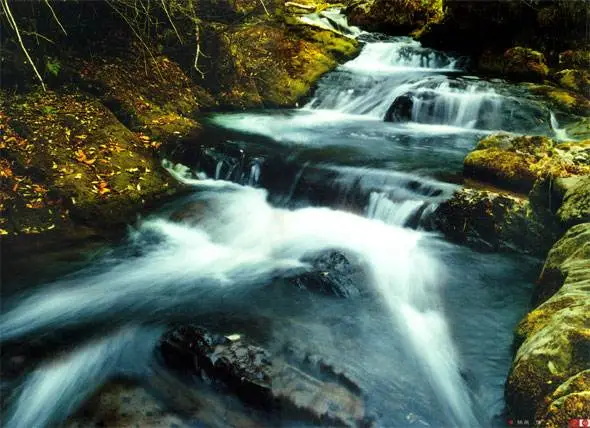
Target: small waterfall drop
{"x": 560, "y": 133}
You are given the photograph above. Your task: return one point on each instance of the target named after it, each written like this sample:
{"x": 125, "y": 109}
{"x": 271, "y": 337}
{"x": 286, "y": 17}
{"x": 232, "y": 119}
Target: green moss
{"x": 516, "y": 162}
{"x": 563, "y": 99}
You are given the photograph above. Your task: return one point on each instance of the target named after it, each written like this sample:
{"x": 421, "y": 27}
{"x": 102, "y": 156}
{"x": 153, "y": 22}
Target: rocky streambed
{"x": 305, "y": 243}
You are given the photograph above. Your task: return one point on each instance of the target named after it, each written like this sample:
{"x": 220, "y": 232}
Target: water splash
{"x": 56, "y": 390}
{"x": 242, "y": 242}
{"x": 560, "y": 133}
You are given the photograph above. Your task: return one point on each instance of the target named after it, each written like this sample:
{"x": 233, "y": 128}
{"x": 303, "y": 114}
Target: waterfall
{"x": 380, "y": 207}
{"x": 560, "y": 133}
{"x": 352, "y": 171}
{"x": 462, "y": 107}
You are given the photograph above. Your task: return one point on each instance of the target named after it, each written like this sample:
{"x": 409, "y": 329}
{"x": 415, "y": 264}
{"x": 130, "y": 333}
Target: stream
{"x": 425, "y": 330}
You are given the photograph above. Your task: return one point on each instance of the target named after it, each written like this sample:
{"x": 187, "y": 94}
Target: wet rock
{"x": 332, "y": 273}
{"x": 574, "y": 80}
{"x": 494, "y": 220}
{"x": 516, "y": 162}
{"x": 570, "y": 401}
{"x": 516, "y": 63}
{"x": 562, "y": 99}
{"x": 123, "y": 405}
{"x": 401, "y": 109}
{"x": 253, "y": 375}
{"x": 554, "y": 338}
{"x": 392, "y": 16}
{"x": 575, "y": 207}
{"x": 569, "y": 253}
{"x": 574, "y": 58}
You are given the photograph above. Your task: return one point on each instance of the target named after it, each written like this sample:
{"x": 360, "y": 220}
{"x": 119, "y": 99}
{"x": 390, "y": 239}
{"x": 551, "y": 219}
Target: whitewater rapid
{"x": 230, "y": 240}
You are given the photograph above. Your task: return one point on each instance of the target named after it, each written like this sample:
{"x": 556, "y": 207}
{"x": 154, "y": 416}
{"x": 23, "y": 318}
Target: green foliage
{"x": 47, "y": 110}
{"x": 53, "y": 66}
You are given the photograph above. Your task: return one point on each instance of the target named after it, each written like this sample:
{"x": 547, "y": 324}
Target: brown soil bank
{"x": 81, "y": 158}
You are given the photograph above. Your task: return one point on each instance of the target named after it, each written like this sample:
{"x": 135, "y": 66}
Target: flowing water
{"x": 359, "y": 169}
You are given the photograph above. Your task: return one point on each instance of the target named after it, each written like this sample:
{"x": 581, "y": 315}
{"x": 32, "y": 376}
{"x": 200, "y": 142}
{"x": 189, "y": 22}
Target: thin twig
{"x": 55, "y": 17}
{"x": 146, "y": 47}
{"x": 20, "y": 40}
{"x": 170, "y": 19}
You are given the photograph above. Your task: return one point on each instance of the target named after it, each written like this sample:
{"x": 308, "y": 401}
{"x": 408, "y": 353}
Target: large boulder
{"x": 258, "y": 378}
{"x": 393, "y": 16}
{"x": 516, "y": 162}
{"x": 575, "y": 207}
{"x": 568, "y": 256}
{"x": 577, "y": 81}
{"x": 547, "y": 380}
{"x": 67, "y": 159}
{"x": 563, "y": 99}
{"x": 516, "y": 63}
{"x": 494, "y": 220}
{"x": 267, "y": 63}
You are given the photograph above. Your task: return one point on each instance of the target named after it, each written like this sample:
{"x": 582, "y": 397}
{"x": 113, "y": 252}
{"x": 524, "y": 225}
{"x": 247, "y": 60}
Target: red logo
{"x": 579, "y": 423}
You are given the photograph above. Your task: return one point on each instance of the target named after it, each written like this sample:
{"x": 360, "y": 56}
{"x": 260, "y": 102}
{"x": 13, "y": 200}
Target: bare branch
{"x": 55, "y": 17}
{"x": 13, "y": 24}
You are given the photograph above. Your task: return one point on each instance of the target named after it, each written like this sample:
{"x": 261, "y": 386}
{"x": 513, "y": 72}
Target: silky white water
{"x": 243, "y": 242}
{"x": 235, "y": 241}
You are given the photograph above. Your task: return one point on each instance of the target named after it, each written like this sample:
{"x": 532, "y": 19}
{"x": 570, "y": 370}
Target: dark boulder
{"x": 332, "y": 273}
{"x": 259, "y": 379}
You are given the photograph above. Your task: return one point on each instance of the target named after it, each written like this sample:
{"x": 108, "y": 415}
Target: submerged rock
{"x": 123, "y": 405}
{"x": 253, "y": 375}
{"x": 554, "y": 339}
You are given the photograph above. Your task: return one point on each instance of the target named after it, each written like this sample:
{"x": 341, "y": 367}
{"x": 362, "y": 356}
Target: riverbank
{"x": 526, "y": 191}
{"x": 81, "y": 159}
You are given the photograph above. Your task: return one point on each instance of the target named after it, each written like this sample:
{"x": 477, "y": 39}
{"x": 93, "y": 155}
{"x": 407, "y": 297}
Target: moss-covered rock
{"x": 269, "y": 64}
{"x": 151, "y": 95}
{"x": 576, "y": 59}
{"x": 570, "y": 401}
{"x": 575, "y": 80}
{"x": 67, "y": 160}
{"x": 571, "y": 253}
{"x": 516, "y": 63}
{"x": 393, "y": 16}
{"x": 575, "y": 207}
{"x": 554, "y": 338}
{"x": 562, "y": 99}
{"x": 516, "y": 162}
{"x": 494, "y": 220}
